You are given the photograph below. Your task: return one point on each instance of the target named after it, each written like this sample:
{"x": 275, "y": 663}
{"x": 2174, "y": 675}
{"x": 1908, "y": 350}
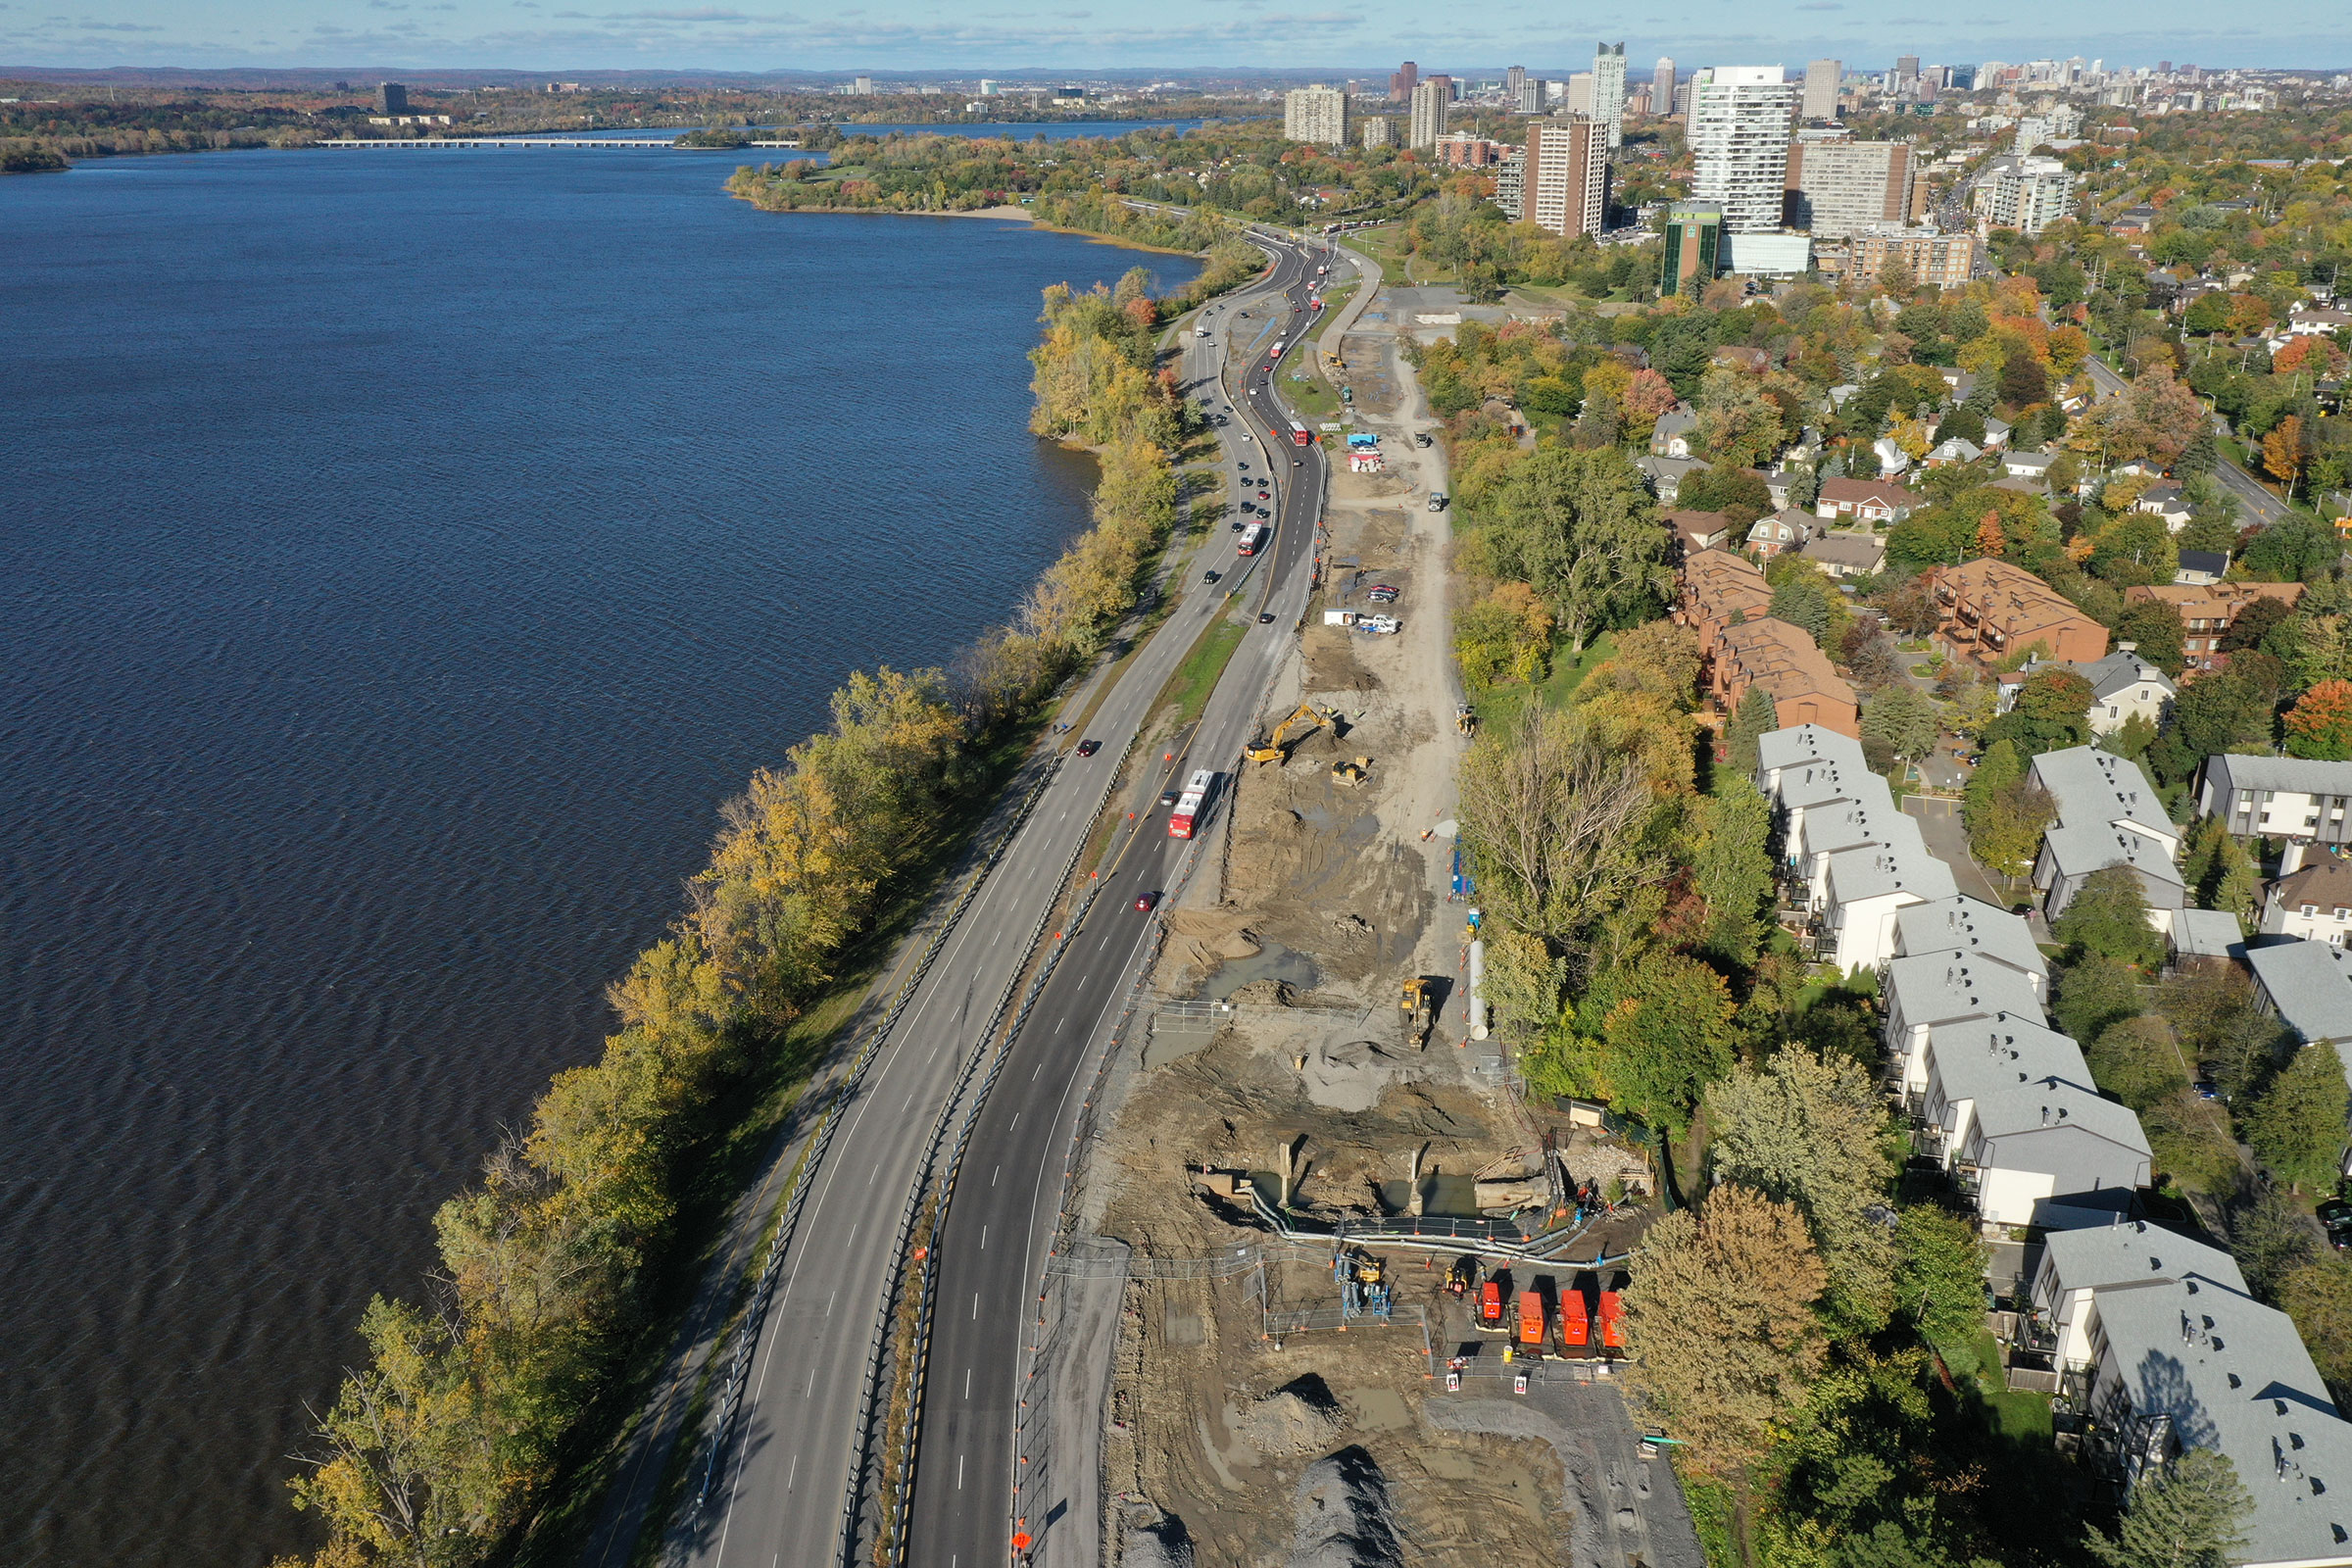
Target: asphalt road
{"x": 2257, "y": 503}
{"x": 1001, "y": 1216}
{"x": 787, "y": 1466}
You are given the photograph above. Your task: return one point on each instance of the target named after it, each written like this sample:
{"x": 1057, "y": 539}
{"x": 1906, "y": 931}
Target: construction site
{"x": 1368, "y": 1295}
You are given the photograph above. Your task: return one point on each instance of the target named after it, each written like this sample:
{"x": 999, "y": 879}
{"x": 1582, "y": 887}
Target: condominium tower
{"x": 1837, "y": 186}
{"x": 1741, "y": 117}
{"x": 1565, "y": 186}
{"x": 1609, "y": 92}
{"x": 1514, "y": 81}
{"x": 1403, "y": 82}
{"x": 2027, "y": 194}
{"x": 1661, "y": 86}
{"x": 1315, "y": 114}
{"x": 1430, "y": 102}
{"x": 1821, "y": 89}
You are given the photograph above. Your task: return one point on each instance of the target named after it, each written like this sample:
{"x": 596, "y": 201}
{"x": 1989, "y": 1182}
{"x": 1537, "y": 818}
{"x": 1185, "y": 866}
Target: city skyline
{"x": 907, "y": 36}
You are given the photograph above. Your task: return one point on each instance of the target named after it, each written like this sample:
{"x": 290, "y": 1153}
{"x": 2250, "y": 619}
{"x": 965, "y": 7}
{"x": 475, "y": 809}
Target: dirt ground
{"x": 1285, "y": 1045}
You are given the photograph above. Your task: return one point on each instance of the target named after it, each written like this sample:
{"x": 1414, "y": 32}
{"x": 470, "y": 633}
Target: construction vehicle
{"x": 1530, "y": 1322}
{"x": 1352, "y": 773}
{"x": 1465, "y": 719}
{"x": 1419, "y": 1010}
{"x": 1490, "y": 1306}
{"x": 1463, "y": 1275}
{"x": 1302, "y": 722}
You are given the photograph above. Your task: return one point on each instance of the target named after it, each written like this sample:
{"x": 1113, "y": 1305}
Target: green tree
{"x": 2254, "y": 622}
{"x": 1902, "y": 719}
{"x": 2297, "y": 1127}
{"x": 1940, "y": 1274}
{"x": 2006, "y": 812}
{"x": 1757, "y": 715}
{"x": 1665, "y": 1032}
{"x": 2052, "y": 713}
{"x": 1808, "y": 1131}
{"x": 2214, "y": 713}
{"x": 2136, "y": 1060}
{"x": 2319, "y": 1297}
{"x": 1581, "y": 529}
{"x": 2190, "y": 1514}
{"x": 1732, "y": 868}
{"x": 2094, "y": 992}
{"x": 2108, "y": 915}
{"x": 1721, "y": 1315}
{"x": 2024, "y": 381}
{"x": 2136, "y": 549}
{"x": 2155, "y": 628}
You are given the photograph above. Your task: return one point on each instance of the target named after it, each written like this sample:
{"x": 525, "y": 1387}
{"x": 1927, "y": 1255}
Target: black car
{"x": 1266, "y": 619}
{"x": 1210, "y": 576}
{"x": 1167, "y": 797}
{"x": 2335, "y": 1218}
{"x": 1089, "y": 748}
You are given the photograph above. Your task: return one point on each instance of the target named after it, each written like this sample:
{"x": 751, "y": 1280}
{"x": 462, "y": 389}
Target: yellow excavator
{"x": 1303, "y": 720}
{"x": 1419, "y": 1014}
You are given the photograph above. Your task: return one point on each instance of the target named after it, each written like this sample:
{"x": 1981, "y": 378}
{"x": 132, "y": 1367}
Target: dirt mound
{"x": 1354, "y": 1075}
{"x": 1299, "y": 1417}
{"x": 1341, "y": 1518}
{"x": 1164, "y": 1545}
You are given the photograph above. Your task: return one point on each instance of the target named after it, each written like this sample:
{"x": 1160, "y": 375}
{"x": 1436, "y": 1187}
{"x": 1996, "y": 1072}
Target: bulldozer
{"x": 1352, "y": 773}
{"x": 1302, "y": 722}
{"x": 1419, "y": 1013}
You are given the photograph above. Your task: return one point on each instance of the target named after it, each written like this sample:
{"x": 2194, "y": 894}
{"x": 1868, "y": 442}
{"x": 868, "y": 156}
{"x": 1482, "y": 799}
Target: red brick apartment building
{"x": 1991, "y": 610}
{"x": 1725, "y": 599}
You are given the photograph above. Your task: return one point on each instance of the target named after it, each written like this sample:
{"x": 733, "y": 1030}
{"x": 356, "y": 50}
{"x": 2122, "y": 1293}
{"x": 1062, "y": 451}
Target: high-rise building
{"x": 1378, "y": 131}
{"x": 988, "y": 88}
{"x": 1566, "y": 181}
{"x": 1580, "y": 94}
{"x": 1430, "y": 102}
{"x": 1689, "y": 101}
{"x": 1637, "y": 102}
{"x": 1693, "y": 247}
{"x": 391, "y": 98}
{"x": 1837, "y": 186}
{"x": 1906, "y": 68}
{"x": 1453, "y": 88}
{"x": 862, "y": 88}
{"x": 1661, "y": 86}
{"x": 1741, "y": 117}
{"x": 1821, "y": 89}
{"x": 1510, "y": 184}
{"x": 1609, "y": 92}
{"x": 1403, "y": 82}
{"x": 2027, "y": 194}
{"x": 1315, "y": 114}
{"x": 1514, "y": 81}
{"x": 1530, "y": 96}
{"x": 1947, "y": 260}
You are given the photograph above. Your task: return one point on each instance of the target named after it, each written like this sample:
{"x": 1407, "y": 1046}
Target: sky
{"x": 1345, "y": 38}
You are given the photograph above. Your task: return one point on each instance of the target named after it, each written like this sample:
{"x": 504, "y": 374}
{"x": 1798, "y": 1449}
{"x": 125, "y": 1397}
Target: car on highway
{"x": 1266, "y": 619}
{"x": 1089, "y": 748}
{"x": 1210, "y": 576}
{"x": 1168, "y": 797}
{"x": 1145, "y": 902}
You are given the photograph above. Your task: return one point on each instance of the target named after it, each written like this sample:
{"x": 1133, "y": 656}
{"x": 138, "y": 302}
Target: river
{"x": 403, "y": 557}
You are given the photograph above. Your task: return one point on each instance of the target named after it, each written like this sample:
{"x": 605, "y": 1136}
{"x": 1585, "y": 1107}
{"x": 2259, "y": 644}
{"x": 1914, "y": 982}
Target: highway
{"x": 2259, "y": 505}
{"x": 1001, "y": 1217}
{"x": 787, "y": 1464}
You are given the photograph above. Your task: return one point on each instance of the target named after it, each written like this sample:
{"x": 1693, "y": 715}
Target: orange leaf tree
{"x": 2320, "y": 724}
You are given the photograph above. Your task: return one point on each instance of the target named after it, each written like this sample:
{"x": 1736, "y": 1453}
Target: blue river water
{"x": 404, "y": 556}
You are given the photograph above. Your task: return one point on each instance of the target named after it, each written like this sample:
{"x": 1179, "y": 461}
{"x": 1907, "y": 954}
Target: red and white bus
{"x": 1253, "y": 538}
{"x": 1299, "y": 435}
{"x": 1190, "y": 803}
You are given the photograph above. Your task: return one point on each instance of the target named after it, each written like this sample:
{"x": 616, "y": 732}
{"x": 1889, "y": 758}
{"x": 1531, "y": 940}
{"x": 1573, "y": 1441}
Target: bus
{"x": 1253, "y": 538}
{"x": 1191, "y": 802}
{"x": 1299, "y": 435}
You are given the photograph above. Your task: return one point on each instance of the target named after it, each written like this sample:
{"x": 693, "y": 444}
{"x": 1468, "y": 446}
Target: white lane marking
{"x": 993, "y": 1174}
{"x": 830, "y": 1300}
{"x": 976, "y": 1306}
{"x": 959, "y": 1472}
{"x": 789, "y": 1474}
{"x": 967, "y": 1381}
{"x": 810, "y": 1391}
{"x": 984, "y": 1237}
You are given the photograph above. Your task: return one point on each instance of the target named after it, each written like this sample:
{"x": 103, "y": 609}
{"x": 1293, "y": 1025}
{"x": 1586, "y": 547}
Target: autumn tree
{"x": 2320, "y": 724}
{"x": 1720, "y": 1313}
{"x": 1807, "y": 1131}
{"x": 2282, "y": 453}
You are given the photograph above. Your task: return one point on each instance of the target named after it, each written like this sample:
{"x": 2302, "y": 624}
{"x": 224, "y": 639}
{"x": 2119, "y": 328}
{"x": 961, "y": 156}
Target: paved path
{"x": 1946, "y": 837}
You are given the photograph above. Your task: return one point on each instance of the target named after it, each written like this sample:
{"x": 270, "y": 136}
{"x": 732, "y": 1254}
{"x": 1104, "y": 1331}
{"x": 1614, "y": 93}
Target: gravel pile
{"x": 1342, "y": 1515}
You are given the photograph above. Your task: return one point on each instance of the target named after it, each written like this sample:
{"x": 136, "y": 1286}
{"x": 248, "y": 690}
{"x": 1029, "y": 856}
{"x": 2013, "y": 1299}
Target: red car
{"x": 1147, "y": 902}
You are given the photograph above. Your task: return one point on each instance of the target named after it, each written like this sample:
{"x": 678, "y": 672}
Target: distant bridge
{"x": 438, "y": 142}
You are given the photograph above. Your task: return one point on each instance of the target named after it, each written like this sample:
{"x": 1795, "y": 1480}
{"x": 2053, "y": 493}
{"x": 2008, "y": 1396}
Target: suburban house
{"x": 2034, "y": 465}
{"x": 1784, "y": 659}
{"x": 2164, "y": 501}
{"x": 2199, "y": 568}
{"x": 1865, "y": 500}
{"x": 2123, "y": 684}
{"x": 1989, "y": 609}
{"x": 1847, "y": 555}
{"x": 1699, "y": 531}
{"x": 1666, "y": 475}
{"x": 1670, "y": 437}
{"x": 1963, "y": 924}
{"x": 1783, "y": 530}
{"x": 2052, "y": 1141}
{"x": 2208, "y": 610}
{"x": 1893, "y": 458}
{"x": 1952, "y": 449}
{"x": 1997, "y": 433}
{"x": 1864, "y": 889}
{"x": 2191, "y": 1362}
{"x": 2313, "y": 904}
{"x": 2108, "y": 815}
{"x": 2078, "y": 1262}
{"x": 2298, "y": 798}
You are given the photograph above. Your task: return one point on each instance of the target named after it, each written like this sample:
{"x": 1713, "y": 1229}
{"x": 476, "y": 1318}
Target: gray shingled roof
{"x": 2120, "y": 671}
{"x": 2133, "y": 1254}
{"x": 2310, "y": 983}
{"x": 1978, "y": 1059}
{"x": 1902, "y": 865}
{"x": 1970, "y": 925}
{"x": 1940, "y": 987}
{"x": 1787, "y": 747}
{"x": 2302, "y": 775}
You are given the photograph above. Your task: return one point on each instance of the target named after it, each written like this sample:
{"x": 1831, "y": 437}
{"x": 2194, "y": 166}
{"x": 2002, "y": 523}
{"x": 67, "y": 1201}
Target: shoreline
{"x": 1003, "y": 213}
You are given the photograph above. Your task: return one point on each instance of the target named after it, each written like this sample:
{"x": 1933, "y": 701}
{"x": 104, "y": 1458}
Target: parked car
{"x": 1436, "y": 501}
{"x": 1089, "y": 748}
{"x": 2335, "y": 1218}
{"x": 1421, "y": 438}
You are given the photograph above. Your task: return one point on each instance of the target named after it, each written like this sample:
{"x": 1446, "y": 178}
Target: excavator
{"x": 1303, "y": 720}
{"x": 1418, "y": 1011}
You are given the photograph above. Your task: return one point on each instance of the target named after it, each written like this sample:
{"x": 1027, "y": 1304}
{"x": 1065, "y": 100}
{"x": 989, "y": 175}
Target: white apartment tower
{"x": 1378, "y": 131}
{"x": 1609, "y": 92}
{"x": 1431, "y": 100}
{"x": 1315, "y": 114}
{"x": 1821, "y": 89}
{"x": 1661, "y": 86}
{"x": 2027, "y": 194}
{"x": 1741, "y": 118}
{"x": 1565, "y": 183}
{"x": 1514, "y": 83}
